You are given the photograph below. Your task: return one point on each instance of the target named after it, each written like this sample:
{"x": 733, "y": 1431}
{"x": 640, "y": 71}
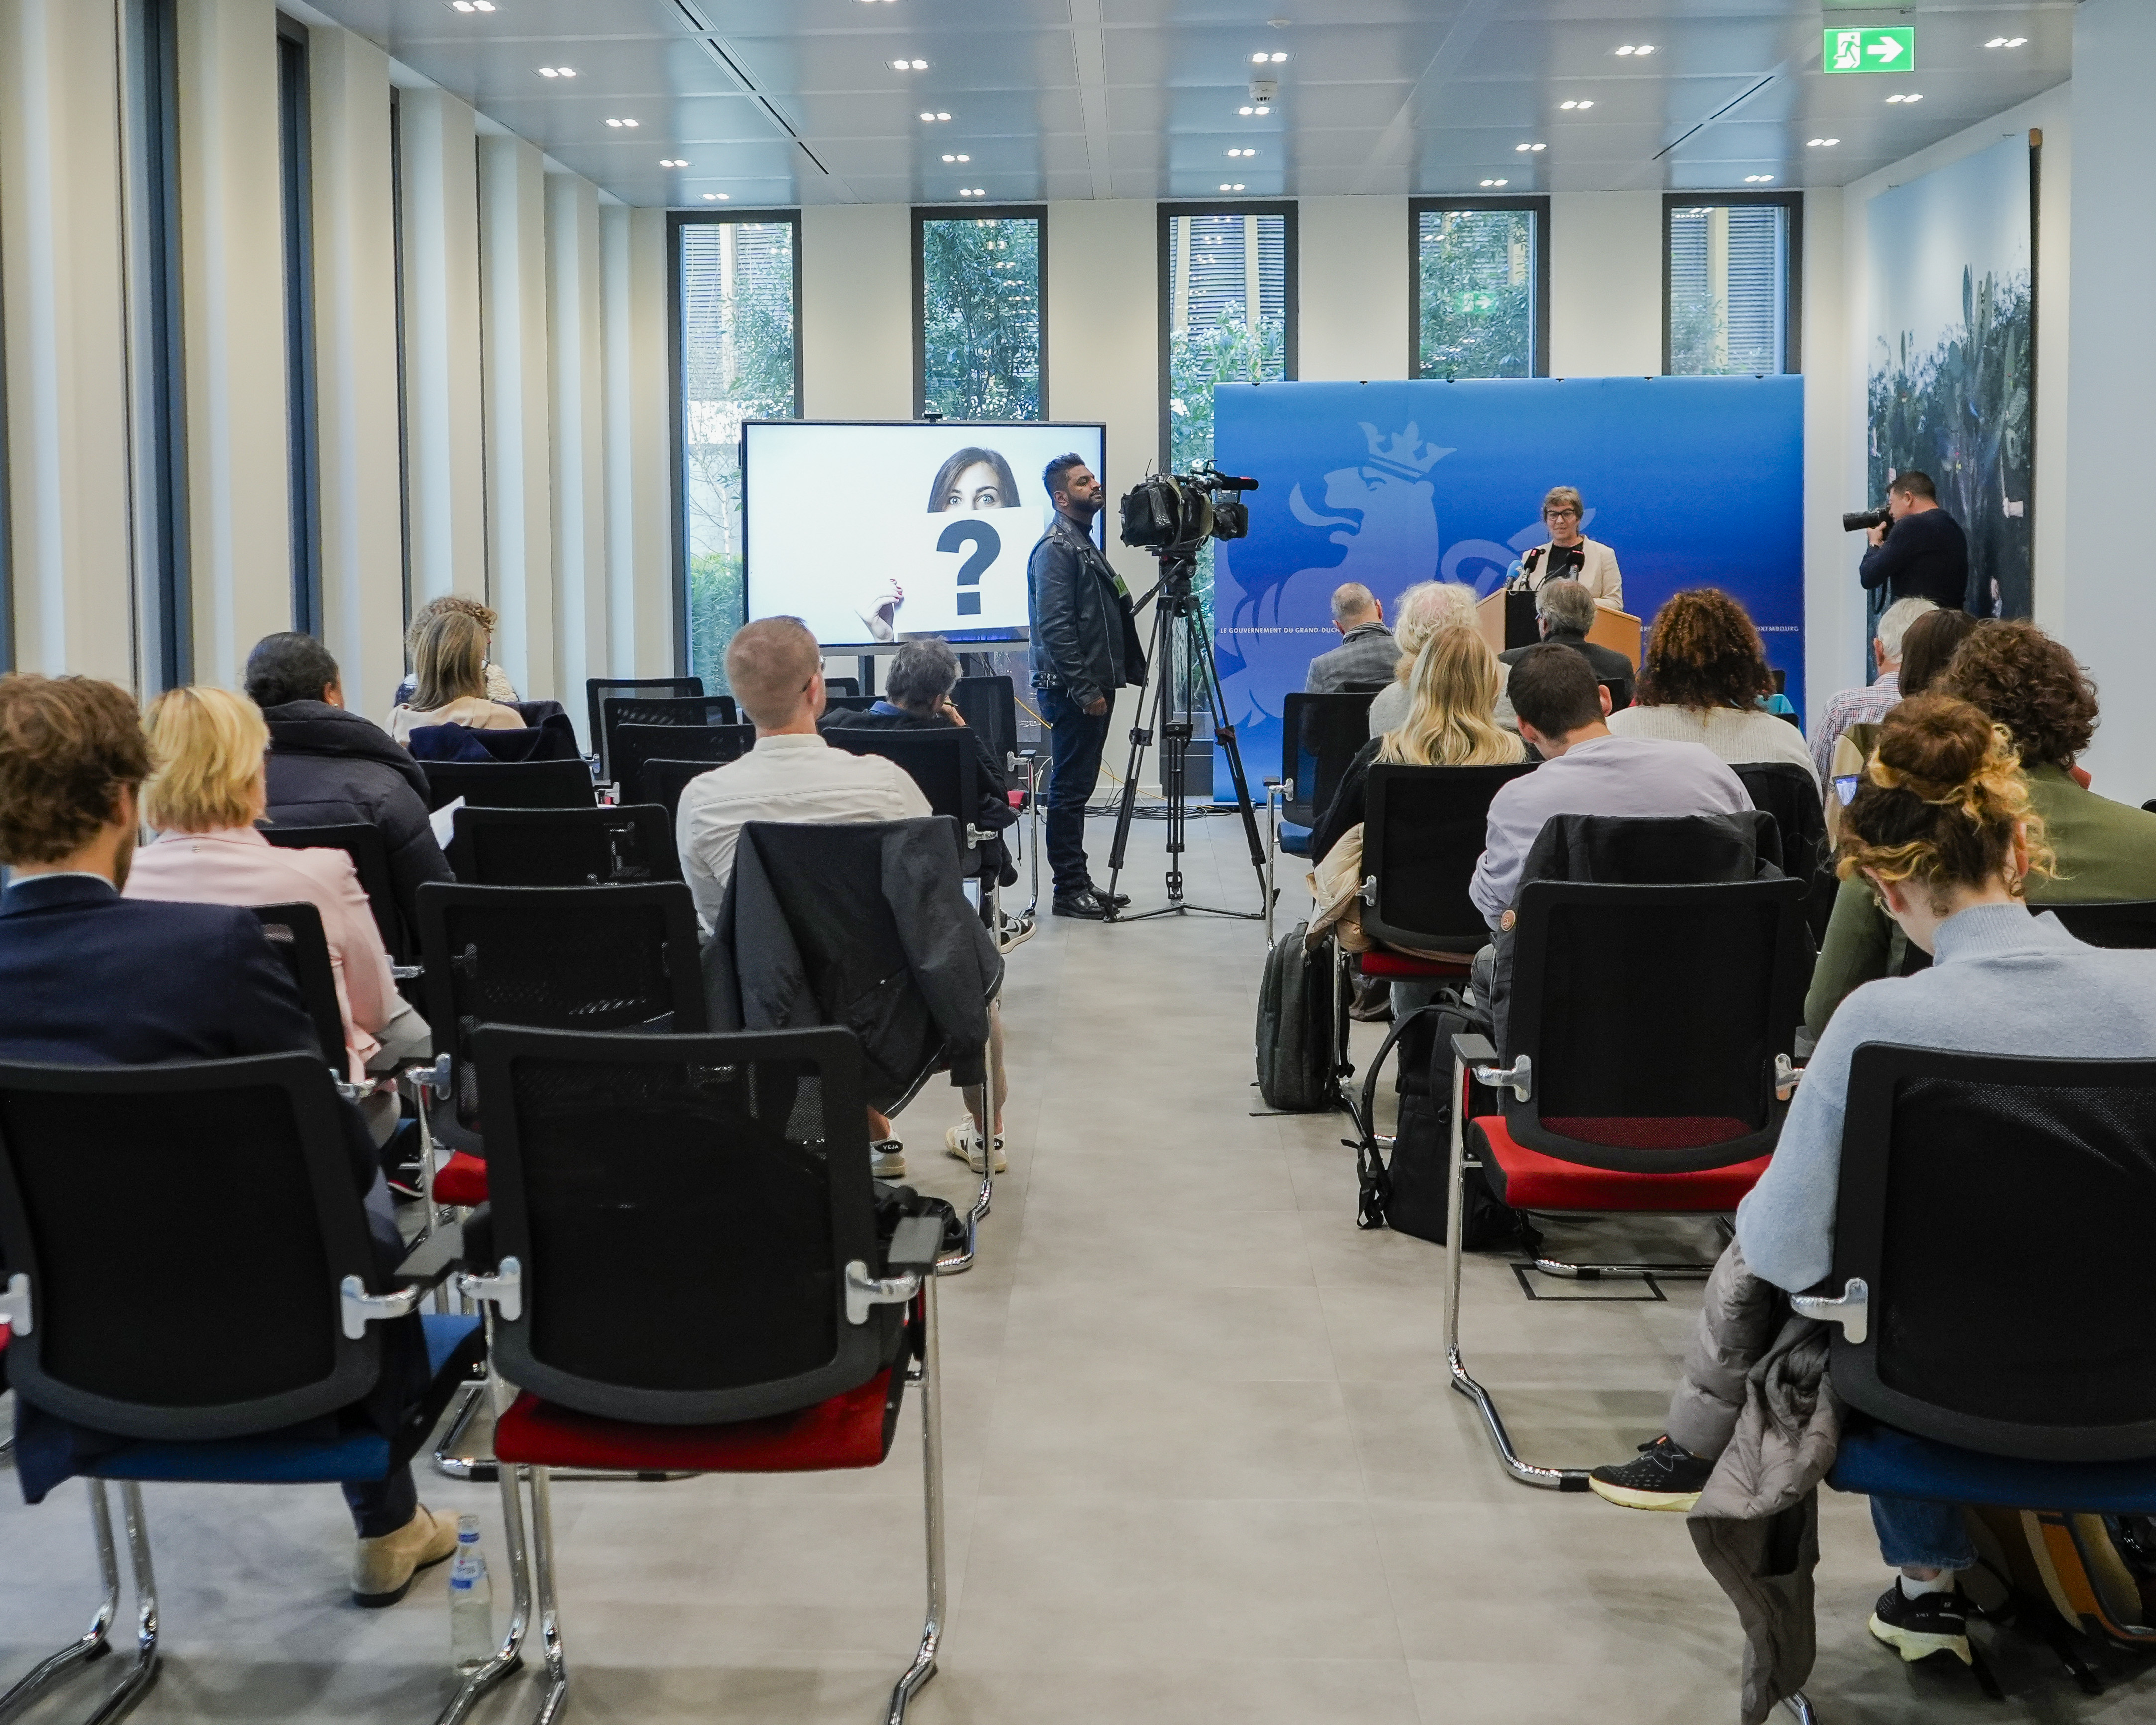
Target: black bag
{"x": 1298, "y": 1032}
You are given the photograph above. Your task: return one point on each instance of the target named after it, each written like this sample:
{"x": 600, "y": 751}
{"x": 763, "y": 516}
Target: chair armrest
{"x": 407, "y": 972}
{"x": 430, "y": 1262}
{"x": 1787, "y": 1075}
{"x": 1477, "y": 1053}
{"x": 1471, "y": 1049}
{"x": 911, "y": 1259}
{"x": 1269, "y": 782}
{"x": 915, "y": 1246}
{"x": 434, "y": 1256}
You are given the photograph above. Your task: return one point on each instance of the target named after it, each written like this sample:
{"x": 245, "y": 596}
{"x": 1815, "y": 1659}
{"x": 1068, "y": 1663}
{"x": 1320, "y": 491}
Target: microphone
{"x": 1230, "y": 482}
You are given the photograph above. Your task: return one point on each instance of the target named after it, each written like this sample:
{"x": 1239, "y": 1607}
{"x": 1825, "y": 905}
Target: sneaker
{"x": 886, "y": 1159}
{"x": 963, "y": 1142}
{"x": 1667, "y": 1476}
{"x": 1918, "y": 1627}
{"x": 382, "y": 1573}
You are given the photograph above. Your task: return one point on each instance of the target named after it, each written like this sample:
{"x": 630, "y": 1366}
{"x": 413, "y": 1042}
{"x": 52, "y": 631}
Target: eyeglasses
{"x": 1560, "y": 515}
{"x": 1845, "y": 787}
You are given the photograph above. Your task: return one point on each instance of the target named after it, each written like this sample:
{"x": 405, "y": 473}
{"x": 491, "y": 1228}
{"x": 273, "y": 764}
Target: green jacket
{"x": 2106, "y": 851}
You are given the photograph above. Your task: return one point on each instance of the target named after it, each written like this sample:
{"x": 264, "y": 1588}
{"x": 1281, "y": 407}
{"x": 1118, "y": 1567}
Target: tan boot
{"x": 382, "y": 1574}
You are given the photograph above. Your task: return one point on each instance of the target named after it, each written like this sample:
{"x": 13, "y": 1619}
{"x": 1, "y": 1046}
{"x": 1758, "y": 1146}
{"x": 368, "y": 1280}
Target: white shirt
{"x": 782, "y": 778}
{"x": 1734, "y": 735}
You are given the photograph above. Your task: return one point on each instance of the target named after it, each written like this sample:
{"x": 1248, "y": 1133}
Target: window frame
{"x": 1793, "y": 269}
{"x": 678, "y": 485}
{"x": 302, "y": 430}
{"x": 1537, "y": 206}
{"x": 924, "y": 213}
{"x": 1291, "y": 298}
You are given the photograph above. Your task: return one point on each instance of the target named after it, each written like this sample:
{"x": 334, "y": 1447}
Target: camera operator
{"x": 1086, "y": 646}
{"x": 1922, "y": 553}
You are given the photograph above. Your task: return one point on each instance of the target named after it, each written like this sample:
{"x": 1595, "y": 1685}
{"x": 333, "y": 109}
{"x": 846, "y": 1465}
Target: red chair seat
{"x": 461, "y": 1181}
{"x": 851, "y": 1430}
{"x": 1015, "y": 799}
{"x": 1380, "y": 963}
{"x": 1528, "y": 1180}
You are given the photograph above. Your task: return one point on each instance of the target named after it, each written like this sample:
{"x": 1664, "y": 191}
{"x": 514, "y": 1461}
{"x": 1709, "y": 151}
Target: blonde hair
{"x": 1426, "y": 608}
{"x": 1452, "y": 701}
{"x": 208, "y": 745}
{"x": 769, "y": 665}
{"x": 449, "y": 660}
{"x": 484, "y": 615}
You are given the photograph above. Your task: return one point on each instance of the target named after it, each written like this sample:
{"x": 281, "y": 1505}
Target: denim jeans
{"x": 1074, "y": 741}
{"x": 1921, "y": 1535}
{"x": 382, "y": 1506}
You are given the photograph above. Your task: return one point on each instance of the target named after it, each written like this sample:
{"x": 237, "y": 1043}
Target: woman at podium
{"x": 1568, "y": 553}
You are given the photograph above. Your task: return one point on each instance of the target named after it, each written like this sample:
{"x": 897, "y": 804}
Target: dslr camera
{"x": 1863, "y": 521}
{"x": 1170, "y": 511}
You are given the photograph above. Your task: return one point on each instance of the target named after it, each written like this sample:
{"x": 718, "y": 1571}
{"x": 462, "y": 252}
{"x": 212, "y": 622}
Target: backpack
{"x": 2097, "y": 1572}
{"x": 1299, "y": 1027}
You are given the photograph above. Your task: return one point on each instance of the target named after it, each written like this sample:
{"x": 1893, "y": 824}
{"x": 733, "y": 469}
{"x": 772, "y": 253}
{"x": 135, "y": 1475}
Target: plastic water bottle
{"x": 471, "y": 1601}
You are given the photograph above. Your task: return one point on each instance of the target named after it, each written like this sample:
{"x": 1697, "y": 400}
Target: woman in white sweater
{"x": 1702, "y": 678}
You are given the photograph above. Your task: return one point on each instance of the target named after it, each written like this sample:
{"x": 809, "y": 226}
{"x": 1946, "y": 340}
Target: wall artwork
{"x": 1950, "y": 369}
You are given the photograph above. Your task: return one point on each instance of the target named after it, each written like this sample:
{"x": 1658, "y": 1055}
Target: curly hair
{"x": 2029, "y": 683}
{"x": 1942, "y": 799}
{"x": 449, "y": 603}
{"x": 1701, "y": 652}
{"x": 69, "y": 746}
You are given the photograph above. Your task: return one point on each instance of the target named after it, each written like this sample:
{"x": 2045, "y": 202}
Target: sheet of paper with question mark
{"x": 968, "y": 571}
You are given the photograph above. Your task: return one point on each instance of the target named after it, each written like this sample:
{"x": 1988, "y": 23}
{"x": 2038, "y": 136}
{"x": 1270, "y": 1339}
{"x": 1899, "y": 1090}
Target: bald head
{"x": 1354, "y": 605}
{"x": 776, "y": 668}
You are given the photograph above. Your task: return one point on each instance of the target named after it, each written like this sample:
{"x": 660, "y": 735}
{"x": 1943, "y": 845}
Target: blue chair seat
{"x": 276, "y": 1459}
{"x": 1880, "y": 1461}
{"x": 1295, "y": 840}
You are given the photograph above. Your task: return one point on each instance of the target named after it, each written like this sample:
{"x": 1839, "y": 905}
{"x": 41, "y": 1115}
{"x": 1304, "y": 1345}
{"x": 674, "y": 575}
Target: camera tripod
{"x": 1177, "y": 614}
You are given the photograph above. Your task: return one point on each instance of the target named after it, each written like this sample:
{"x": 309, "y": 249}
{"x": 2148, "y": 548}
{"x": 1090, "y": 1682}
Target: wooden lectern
{"x": 1612, "y": 629}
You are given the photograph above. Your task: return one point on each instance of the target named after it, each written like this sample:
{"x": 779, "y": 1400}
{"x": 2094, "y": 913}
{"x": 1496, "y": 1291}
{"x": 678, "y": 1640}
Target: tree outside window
{"x": 980, "y": 354}
{"x": 737, "y": 293}
{"x": 1730, "y": 264}
{"x": 1478, "y": 291}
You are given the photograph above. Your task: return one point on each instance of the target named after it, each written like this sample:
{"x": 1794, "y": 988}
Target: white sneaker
{"x": 964, "y": 1141}
{"x": 886, "y": 1159}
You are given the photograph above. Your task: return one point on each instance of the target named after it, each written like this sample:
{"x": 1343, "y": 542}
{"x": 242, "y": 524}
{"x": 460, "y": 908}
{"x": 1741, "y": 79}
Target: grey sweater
{"x": 2002, "y": 982}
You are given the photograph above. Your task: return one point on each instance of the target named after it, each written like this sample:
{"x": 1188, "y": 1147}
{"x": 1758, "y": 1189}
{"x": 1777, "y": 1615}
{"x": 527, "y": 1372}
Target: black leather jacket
{"x": 1084, "y": 635}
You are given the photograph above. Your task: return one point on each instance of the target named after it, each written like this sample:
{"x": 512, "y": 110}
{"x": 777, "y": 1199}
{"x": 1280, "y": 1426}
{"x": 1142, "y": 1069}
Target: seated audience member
{"x": 89, "y": 978}
{"x": 449, "y": 680}
{"x": 203, "y": 799}
{"x": 918, "y": 697}
{"x": 1928, "y": 643}
{"x": 1367, "y": 651}
{"x": 331, "y": 766}
{"x": 1425, "y": 608}
{"x": 776, "y": 670}
{"x": 1564, "y": 612}
{"x": 1869, "y": 705}
{"x": 1702, "y": 679}
{"x": 498, "y": 685}
{"x": 2019, "y": 677}
{"x": 1945, "y": 830}
{"x": 1586, "y": 769}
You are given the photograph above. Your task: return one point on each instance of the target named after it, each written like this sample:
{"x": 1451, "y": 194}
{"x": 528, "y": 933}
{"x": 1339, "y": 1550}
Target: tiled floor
{"x": 1203, "y": 1465}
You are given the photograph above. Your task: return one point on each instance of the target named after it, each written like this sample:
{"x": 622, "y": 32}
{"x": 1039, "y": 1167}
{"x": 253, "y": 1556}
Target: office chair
{"x": 598, "y": 689}
{"x": 563, "y": 847}
{"x": 1320, "y": 736}
{"x": 370, "y": 861}
{"x": 510, "y": 784}
{"x": 616, "y": 710}
{"x": 632, "y": 745}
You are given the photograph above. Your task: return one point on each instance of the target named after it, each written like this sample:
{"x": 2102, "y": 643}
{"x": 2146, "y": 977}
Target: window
{"x": 979, "y": 300}
{"x": 1729, "y": 284}
{"x": 1479, "y": 302}
{"x": 296, "y": 160}
{"x": 737, "y": 283}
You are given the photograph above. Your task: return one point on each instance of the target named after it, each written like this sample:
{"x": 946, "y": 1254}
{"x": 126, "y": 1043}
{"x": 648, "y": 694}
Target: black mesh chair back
{"x": 185, "y": 1229}
{"x": 682, "y": 1209}
{"x": 616, "y": 710}
{"x": 1423, "y": 833}
{"x": 294, "y": 931}
{"x": 370, "y": 861}
{"x": 664, "y": 781}
{"x": 510, "y": 784}
{"x": 848, "y": 703}
{"x": 944, "y": 764}
{"x": 989, "y": 706}
{"x": 848, "y": 686}
{"x": 2127, "y": 922}
{"x": 598, "y": 689}
{"x": 1998, "y": 1211}
{"x": 633, "y": 745}
{"x": 555, "y": 958}
{"x": 1791, "y": 795}
{"x": 563, "y": 847}
{"x": 1320, "y": 735}
{"x": 1652, "y": 1016}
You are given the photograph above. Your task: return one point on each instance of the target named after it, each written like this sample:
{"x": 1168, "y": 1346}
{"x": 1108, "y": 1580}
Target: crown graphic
{"x": 1403, "y": 454}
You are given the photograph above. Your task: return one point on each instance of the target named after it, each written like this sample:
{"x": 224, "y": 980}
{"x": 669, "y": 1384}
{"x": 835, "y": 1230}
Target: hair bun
{"x": 1937, "y": 745}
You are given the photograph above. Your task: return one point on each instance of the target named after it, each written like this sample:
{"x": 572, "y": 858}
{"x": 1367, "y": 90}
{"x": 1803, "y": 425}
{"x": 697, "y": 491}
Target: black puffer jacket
{"x": 329, "y": 766}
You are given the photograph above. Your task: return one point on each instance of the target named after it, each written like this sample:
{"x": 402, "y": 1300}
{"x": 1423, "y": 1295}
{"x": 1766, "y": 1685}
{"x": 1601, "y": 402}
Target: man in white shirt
{"x": 1585, "y": 770}
{"x": 791, "y": 774}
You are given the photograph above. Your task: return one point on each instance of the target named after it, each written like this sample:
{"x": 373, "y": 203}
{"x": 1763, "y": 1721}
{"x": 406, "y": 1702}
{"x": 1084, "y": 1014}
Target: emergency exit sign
{"x": 1888, "y": 50}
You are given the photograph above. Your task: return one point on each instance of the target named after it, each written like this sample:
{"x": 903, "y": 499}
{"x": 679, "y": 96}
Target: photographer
{"x": 1922, "y": 553}
{"x": 1086, "y": 646}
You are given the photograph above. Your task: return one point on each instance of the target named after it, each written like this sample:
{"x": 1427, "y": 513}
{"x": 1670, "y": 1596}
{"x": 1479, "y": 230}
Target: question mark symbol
{"x": 986, "y": 547}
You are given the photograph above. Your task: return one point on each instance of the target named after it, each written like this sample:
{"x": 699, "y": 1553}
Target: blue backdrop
{"x": 1692, "y": 481}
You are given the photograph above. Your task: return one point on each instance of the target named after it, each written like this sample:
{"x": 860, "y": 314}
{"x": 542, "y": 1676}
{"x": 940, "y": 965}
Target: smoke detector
{"x": 1265, "y": 90}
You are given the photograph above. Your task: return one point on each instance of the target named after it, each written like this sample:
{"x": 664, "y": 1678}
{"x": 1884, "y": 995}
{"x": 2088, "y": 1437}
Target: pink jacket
{"x": 238, "y": 866}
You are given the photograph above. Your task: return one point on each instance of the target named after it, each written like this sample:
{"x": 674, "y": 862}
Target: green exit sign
{"x": 1889, "y": 50}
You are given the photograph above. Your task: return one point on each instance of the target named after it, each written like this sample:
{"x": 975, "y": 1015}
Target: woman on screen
{"x": 974, "y": 479}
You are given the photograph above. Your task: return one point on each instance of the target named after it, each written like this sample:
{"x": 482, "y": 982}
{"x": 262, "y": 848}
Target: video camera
{"x": 1863, "y": 521}
{"x": 1170, "y": 511}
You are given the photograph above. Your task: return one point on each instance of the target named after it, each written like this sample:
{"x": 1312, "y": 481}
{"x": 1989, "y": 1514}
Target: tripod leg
{"x": 1224, "y": 733}
{"x": 1140, "y": 737}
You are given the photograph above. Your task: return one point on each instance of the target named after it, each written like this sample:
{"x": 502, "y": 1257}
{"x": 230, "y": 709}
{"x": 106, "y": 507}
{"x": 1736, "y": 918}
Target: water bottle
{"x": 471, "y": 1601}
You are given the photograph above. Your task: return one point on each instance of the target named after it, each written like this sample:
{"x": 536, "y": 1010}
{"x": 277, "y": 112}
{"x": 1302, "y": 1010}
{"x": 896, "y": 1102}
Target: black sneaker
{"x": 1085, "y": 902}
{"x": 1918, "y": 1627}
{"x": 1667, "y": 1476}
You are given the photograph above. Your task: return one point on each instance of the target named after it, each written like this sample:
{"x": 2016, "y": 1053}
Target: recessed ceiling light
{"x": 1641, "y": 48}
{"x": 1530, "y": 147}
{"x": 1756, "y": 179}
{"x": 671, "y": 161}
{"x": 557, "y": 71}
{"x": 1242, "y": 152}
{"x": 909, "y": 65}
{"x": 471, "y": 5}
{"x": 1820, "y": 143}
{"x": 631, "y": 124}
{"x": 1589, "y": 104}
{"x": 1905, "y": 99}
{"x": 1497, "y": 182}
{"x": 1260, "y": 60}
{"x": 716, "y": 197}
{"x": 957, "y": 158}
{"x": 2006, "y": 41}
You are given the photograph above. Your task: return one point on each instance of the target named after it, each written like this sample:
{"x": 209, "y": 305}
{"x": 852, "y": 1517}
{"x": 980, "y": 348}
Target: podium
{"x": 1620, "y": 629}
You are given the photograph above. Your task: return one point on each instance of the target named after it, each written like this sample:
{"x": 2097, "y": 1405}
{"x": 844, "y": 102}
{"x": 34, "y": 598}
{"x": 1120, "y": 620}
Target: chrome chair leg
{"x": 94, "y": 1644}
{"x": 509, "y": 1657}
{"x": 1595, "y": 1272}
{"x": 1806, "y": 1713}
{"x": 550, "y": 1623}
{"x": 1555, "y": 1479}
{"x": 958, "y": 1262}
{"x": 447, "y": 1460}
{"x": 931, "y": 1382}
{"x": 132, "y": 1688}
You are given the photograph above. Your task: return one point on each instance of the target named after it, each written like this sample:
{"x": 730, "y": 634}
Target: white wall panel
{"x": 1352, "y": 326}
{"x": 857, "y": 310}
{"x": 634, "y": 289}
{"x": 575, "y": 345}
{"x": 1605, "y": 284}
{"x": 520, "y": 557}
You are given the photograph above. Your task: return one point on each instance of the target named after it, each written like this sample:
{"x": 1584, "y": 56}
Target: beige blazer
{"x": 1597, "y": 573}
